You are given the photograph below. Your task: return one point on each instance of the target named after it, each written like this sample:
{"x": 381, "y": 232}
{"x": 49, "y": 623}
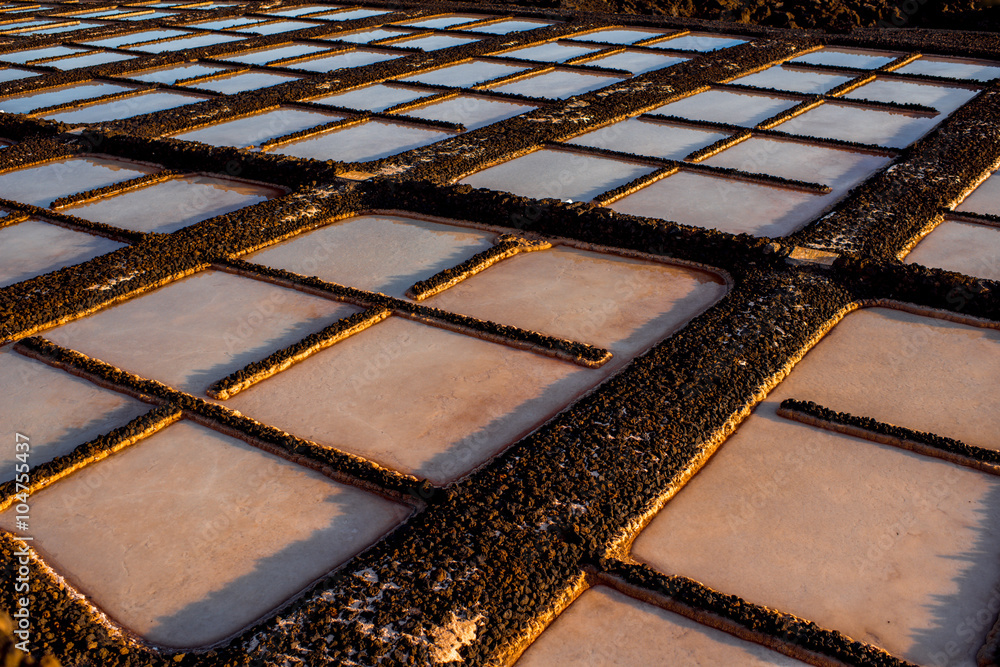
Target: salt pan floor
{"x": 912, "y": 534}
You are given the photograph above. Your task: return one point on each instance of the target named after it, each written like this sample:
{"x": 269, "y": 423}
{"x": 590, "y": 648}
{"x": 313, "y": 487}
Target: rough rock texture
{"x": 830, "y": 16}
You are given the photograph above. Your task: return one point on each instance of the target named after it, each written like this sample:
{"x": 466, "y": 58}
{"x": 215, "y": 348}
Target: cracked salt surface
{"x": 558, "y": 84}
{"x": 841, "y": 169}
{"x": 914, "y": 551}
{"x": 126, "y": 107}
{"x": 411, "y": 397}
{"x": 41, "y": 184}
{"x": 642, "y": 137}
{"x": 837, "y": 57}
{"x": 796, "y": 80}
{"x": 465, "y": 74}
{"x": 195, "y": 331}
{"x": 59, "y": 411}
{"x": 726, "y": 204}
{"x": 255, "y": 130}
{"x": 225, "y": 499}
{"x": 835, "y": 120}
{"x": 966, "y": 247}
{"x": 635, "y": 62}
{"x": 381, "y": 253}
{"x": 370, "y": 140}
{"x": 619, "y": 303}
{"x": 605, "y": 627}
{"x": 556, "y": 174}
{"x": 725, "y": 106}
{"x": 59, "y": 95}
{"x": 34, "y": 248}
{"x": 173, "y": 204}
{"x": 468, "y": 110}
{"x": 437, "y": 382}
